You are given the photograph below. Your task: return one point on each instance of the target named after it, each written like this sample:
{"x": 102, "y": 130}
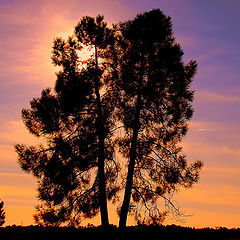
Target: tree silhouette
{"x": 75, "y": 169}
{"x": 134, "y": 81}
{"x": 154, "y": 105}
{"x": 2, "y": 213}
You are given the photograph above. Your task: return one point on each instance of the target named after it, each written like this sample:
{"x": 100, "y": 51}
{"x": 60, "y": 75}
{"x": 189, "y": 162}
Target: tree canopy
{"x": 131, "y": 97}
{"x": 76, "y": 122}
{"x": 155, "y": 105}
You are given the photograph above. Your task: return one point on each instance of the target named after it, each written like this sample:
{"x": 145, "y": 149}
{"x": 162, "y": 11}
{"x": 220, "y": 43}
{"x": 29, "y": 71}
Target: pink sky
{"x": 208, "y": 32}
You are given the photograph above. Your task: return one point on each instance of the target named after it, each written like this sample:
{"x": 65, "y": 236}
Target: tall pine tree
{"x": 154, "y": 105}
{"x": 75, "y": 169}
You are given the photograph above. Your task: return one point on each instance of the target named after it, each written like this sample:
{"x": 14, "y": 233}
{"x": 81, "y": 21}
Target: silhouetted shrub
{"x": 2, "y": 213}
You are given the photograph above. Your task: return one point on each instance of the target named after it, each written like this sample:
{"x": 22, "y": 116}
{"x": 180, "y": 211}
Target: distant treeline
{"x": 160, "y": 232}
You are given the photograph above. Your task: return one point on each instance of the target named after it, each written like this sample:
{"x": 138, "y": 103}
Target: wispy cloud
{"x": 14, "y": 131}
{"x": 207, "y": 96}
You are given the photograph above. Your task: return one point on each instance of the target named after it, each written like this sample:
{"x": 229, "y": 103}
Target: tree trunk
{"x": 133, "y": 152}
{"x": 101, "y": 153}
{"x": 131, "y": 165}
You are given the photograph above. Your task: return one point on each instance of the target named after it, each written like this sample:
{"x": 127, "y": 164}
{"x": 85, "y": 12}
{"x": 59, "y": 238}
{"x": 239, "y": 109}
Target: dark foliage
{"x": 134, "y": 81}
{"x": 164, "y": 232}
{"x": 2, "y": 213}
{"x": 154, "y": 105}
{"x": 75, "y": 168}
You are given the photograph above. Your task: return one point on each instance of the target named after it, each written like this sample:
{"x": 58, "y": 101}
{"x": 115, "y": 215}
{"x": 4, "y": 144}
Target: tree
{"x": 2, "y": 213}
{"x": 134, "y": 79}
{"x": 154, "y": 105}
{"x": 75, "y": 169}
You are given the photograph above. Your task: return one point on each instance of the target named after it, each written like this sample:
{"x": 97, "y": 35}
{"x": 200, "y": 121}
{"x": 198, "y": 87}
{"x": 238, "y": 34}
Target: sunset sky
{"x": 208, "y": 31}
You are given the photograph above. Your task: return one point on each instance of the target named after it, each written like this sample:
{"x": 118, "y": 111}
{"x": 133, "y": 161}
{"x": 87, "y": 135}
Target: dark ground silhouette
{"x": 160, "y": 232}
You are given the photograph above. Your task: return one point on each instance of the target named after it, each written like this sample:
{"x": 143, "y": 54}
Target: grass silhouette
{"x": 162, "y": 232}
